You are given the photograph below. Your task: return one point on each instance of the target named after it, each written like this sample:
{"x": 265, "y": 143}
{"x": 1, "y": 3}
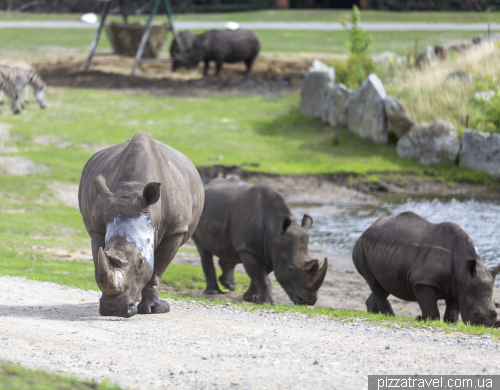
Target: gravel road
{"x": 194, "y": 346}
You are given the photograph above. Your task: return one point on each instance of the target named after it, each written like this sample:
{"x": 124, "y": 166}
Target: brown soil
{"x": 272, "y": 72}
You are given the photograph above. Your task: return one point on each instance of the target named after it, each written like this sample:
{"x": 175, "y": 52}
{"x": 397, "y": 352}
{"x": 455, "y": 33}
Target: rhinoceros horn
{"x": 318, "y": 276}
{"x": 106, "y": 276}
{"x": 495, "y": 271}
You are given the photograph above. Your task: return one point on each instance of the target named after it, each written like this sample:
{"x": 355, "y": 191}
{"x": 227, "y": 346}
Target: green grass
{"x": 302, "y": 15}
{"x": 33, "y": 43}
{"x": 232, "y": 130}
{"x": 16, "y": 377}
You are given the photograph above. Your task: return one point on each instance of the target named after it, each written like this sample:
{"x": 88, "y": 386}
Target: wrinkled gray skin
{"x": 221, "y": 46}
{"x": 415, "y": 260}
{"x": 253, "y": 225}
{"x": 139, "y": 180}
{"x": 187, "y": 38}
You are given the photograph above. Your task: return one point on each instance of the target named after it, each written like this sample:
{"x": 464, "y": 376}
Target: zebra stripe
{"x": 10, "y": 90}
{"x": 22, "y": 75}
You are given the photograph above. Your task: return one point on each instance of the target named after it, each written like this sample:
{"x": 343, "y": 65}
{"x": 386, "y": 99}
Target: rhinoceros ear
{"x": 307, "y": 221}
{"x": 101, "y": 186}
{"x": 151, "y": 194}
{"x": 471, "y": 266}
{"x": 495, "y": 271}
{"x": 285, "y": 224}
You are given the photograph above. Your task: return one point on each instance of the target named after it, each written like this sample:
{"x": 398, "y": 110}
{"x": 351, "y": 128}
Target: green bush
{"x": 359, "y": 63}
{"x": 489, "y": 108}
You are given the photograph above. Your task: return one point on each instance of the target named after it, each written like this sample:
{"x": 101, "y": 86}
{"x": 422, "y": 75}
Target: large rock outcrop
{"x": 319, "y": 79}
{"x": 335, "y": 107}
{"x": 481, "y": 152}
{"x": 437, "y": 142}
{"x": 399, "y": 118}
{"x": 365, "y": 111}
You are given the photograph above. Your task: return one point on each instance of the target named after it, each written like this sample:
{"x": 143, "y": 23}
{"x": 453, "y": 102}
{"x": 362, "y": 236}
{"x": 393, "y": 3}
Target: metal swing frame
{"x": 145, "y": 35}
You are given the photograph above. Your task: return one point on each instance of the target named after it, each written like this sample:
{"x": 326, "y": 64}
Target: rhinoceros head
{"x": 125, "y": 265}
{"x": 189, "y": 60}
{"x": 300, "y": 276}
{"x": 476, "y": 299}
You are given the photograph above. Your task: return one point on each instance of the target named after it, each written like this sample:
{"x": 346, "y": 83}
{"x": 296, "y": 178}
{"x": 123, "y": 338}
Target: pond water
{"x": 477, "y": 213}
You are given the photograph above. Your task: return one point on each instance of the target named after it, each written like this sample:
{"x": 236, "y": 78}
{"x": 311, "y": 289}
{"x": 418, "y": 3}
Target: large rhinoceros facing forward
{"x": 415, "y": 260}
{"x": 140, "y": 201}
{"x": 254, "y": 226}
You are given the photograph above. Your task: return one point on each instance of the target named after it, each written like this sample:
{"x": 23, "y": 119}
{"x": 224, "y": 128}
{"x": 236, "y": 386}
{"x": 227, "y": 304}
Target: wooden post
{"x": 123, "y": 11}
{"x": 416, "y": 52}
{"x": 489, "y": 29}
{"x": 145, "y": 36}
{"x": 467, "y": 121}
{"x": 93, "y": 46}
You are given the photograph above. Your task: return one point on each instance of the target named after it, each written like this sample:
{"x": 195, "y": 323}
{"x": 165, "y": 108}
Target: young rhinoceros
{"x": 187, "y": 39}
{"x": 415, "y": 260}
{"x": 253, "y": 225}
{"x": 221, "y": 46}
{"x": 140, "y": 201}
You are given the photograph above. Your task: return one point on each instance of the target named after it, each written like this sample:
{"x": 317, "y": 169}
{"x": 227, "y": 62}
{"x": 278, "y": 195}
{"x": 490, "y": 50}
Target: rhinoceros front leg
{"x": 227, "y": 277}
{"x": 427, "y": 300}
{"x": 151, "y": 302}
{"x": 260, "y": 285}
{"x": 452, "y": 310}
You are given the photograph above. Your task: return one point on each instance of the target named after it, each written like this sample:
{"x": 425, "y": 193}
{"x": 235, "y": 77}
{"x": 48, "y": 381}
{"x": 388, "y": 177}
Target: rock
{"x": 319, "y": 78}
{"x": 442, "y": 51}
{"x": 479, "y": 39}
{"x": 365, "y": 111}
{"x": 484, "y": 95}
{"x": 459, "y": 76}
{"x": 399, "y": 118}
{"x": 437, "y": 142}
{"x": 425, "y": 57}
{"x": 481, "y": 152}
{"x": 335, "y": 107}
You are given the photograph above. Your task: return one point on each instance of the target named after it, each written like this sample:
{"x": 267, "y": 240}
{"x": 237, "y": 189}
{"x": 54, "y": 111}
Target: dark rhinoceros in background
{"x": 140, "y": 201}
{"x": 253, "y": 225}
{"x": 187, "y": 39}
{"x": 221, "y": 46}
{"x": 415, "y": 260}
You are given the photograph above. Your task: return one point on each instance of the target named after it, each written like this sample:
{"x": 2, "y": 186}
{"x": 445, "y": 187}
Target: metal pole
{"x": 172, "y": 25}
{"x": 123, "y": 11}
{"x": 93, "y": 47}
{"x": 145, "y": 36}
{"x": 183, "y": 7}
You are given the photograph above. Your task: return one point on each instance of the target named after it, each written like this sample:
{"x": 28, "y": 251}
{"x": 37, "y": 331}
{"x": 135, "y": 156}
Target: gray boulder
{"x": 319, "y": 79}
{"x": 425, "y": 57}
{"x": 335, "y": 107}
{"x": 365, "y": 111}
{"x": 459, "y": 76}
{"x": 399, "y": 118}
{"x": 481, "y": 152}
{"x": 437, "y": 142}
{"x": 479, "y": 39}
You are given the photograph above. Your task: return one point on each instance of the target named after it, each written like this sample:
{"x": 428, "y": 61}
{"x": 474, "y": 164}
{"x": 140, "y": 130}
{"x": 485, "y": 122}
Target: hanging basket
{"x": 125, "y": 38}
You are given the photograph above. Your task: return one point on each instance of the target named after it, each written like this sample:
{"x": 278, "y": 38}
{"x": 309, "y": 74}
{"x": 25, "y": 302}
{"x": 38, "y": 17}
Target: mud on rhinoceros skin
{"x": 415, "y": 260}
{"x": 140, "y": 201}
{"x": 253, "y": 225}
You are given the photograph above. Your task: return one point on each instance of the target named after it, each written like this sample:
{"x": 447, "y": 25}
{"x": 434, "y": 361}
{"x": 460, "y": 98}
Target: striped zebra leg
{"x": 1, "y": 97}
{"x": 26, "y": 93}
{"x": 20, "y": 94}
{"x": 10, "y": 89}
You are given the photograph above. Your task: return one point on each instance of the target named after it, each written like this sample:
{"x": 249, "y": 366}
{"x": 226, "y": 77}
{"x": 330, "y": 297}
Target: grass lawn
{"x": 26, "y": 43}
{"x": 15, "y": 377}
{"x": 322, "y": 15}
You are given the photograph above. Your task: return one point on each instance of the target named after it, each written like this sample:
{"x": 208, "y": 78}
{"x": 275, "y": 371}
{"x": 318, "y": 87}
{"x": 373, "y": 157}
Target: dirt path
{"x": 48, "y": 326}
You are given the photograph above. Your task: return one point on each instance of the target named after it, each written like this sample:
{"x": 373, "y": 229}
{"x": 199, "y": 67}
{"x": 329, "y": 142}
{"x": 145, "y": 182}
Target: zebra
{"x": 22, "y": 75}
{"x": 9, "y": 88}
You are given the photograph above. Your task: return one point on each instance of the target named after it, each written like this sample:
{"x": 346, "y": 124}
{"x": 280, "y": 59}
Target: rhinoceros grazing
{"x": 415, "y": 260}
{"x": 253, "y": 225}
{"x": 140, "y": 201}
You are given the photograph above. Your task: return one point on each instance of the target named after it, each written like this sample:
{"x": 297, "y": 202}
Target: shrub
{"x": 488, "y": 102}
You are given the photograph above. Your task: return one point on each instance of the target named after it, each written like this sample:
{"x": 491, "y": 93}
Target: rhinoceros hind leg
{"x": 248, "y": 63}
{"x": 227, "y": 277}
{"x": 452, "y": 311}
{"x": 153, "y": 305}
{"x": 427, "y": 300}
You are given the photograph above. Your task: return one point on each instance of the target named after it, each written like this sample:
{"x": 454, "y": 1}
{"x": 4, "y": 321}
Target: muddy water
{"x": 477, "y": 213}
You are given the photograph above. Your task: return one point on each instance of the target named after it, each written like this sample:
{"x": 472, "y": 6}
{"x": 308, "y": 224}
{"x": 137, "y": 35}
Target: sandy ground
{"x": 194, "y": 346}
{"x": 271, "y": 73}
